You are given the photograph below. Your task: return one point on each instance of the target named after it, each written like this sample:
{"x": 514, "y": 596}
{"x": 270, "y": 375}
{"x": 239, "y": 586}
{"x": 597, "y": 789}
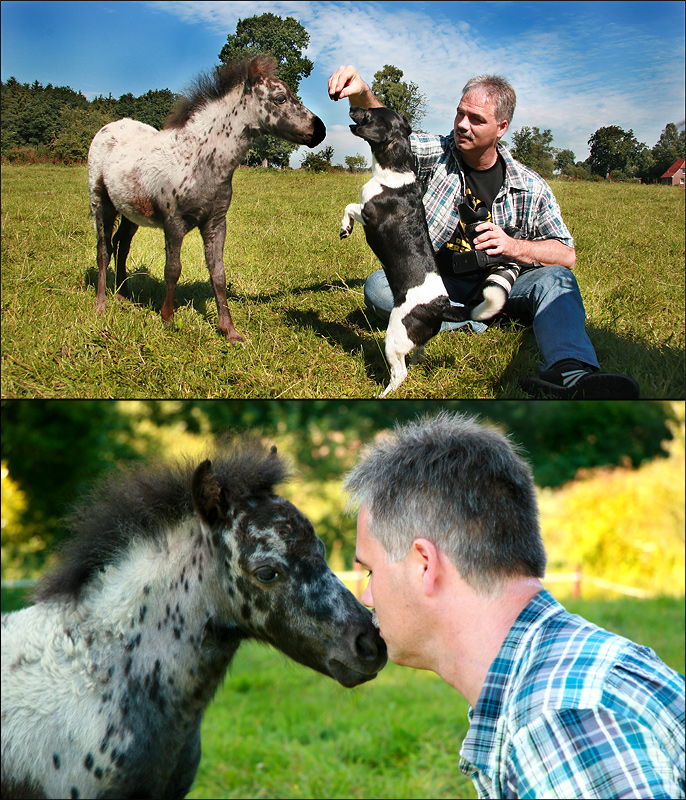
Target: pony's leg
{"x": 213, "y": 234}
{"x": 104, "y": 214}
{"x": 174, "y": 231}
{"x": 121, "y": 244}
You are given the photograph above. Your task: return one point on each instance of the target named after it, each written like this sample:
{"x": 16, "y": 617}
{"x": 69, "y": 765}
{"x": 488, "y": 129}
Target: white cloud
{"x": 572, "y": 80}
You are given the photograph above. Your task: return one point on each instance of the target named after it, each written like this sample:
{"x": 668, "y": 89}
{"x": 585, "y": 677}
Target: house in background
{"x": 674, "y": 175}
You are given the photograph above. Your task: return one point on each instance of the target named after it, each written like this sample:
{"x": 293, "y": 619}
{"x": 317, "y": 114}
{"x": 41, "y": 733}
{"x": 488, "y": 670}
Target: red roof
{"x": 676, "y": 166}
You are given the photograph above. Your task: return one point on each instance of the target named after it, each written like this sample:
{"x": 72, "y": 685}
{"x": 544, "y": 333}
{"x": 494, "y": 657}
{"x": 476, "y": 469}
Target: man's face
{"x": 391, "y": 592}
{"x": 476, "y": 127}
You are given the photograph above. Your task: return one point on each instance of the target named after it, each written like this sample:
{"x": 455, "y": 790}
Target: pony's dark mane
{"x": 140, "y": 503}
{"x": 217, "y": 84}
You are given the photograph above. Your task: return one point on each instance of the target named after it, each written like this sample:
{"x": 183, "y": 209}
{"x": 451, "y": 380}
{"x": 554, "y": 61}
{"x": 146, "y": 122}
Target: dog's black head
{"x": 377, "y": 125}
{"x": 388, "y": 134}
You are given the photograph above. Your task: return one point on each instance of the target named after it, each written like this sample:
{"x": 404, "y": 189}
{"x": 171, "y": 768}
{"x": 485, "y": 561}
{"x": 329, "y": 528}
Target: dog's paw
{"x": 494, "y": 298}
{"x": 346, "y": 226}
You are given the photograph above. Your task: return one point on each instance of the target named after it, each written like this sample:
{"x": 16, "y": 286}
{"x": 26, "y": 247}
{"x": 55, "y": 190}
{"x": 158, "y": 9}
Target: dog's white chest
{"x": 384, "y": 179}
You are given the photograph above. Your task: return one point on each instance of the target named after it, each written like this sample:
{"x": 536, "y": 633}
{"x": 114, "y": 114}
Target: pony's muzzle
{"x": 362, "y": 662}
{"x": 318, "y": 133}
{"x": 370, "y": 646}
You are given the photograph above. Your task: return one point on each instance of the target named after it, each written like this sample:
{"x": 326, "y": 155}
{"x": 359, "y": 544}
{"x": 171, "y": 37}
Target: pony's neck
{"x": 153, "y": 614}
{"x": 224, "y": 129}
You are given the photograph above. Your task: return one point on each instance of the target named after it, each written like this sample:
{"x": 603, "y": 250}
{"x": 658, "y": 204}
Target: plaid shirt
{"x": 525, "y": 201}
{"x": 571, "y": 710}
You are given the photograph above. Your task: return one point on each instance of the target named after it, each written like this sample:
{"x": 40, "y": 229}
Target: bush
{"x": 622, "y": 525}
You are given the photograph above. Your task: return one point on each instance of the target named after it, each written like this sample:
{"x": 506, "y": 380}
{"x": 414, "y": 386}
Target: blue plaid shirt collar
{"x": 483, "y": 734}
{"x": 514, "y": 177}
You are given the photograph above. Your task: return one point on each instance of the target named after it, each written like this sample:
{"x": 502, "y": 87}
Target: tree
{"x": 533, "y": 148}
{"x": 405, "y": 98}
{"x": 669, "y": 148}
{"x": 319, "y": 161}
{"x": 563, "y": 160}
{"x": 356, "y": 163}
{"x": 54, "y": 449}
{"x": 76, "y": 128}
{"x": 613, "y": 148}
{"x": 285, "y": 40}
{"x": 32, "y": 111}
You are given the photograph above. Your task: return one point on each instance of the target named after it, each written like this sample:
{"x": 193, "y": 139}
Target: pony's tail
{"x": 115, "y": 242}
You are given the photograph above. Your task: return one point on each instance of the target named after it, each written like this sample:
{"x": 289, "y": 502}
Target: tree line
{"x": 614, "y": 153}
{"x": 57, "y": 123}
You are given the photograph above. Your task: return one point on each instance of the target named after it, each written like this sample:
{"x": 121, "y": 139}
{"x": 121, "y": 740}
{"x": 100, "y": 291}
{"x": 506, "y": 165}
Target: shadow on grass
{"x": 149, "y": 290}
{"x": 659, "y": 369}
{"x": 346, "y": 337}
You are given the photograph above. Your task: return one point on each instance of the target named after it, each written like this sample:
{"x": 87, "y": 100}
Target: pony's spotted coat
{"x": 106, "y": 678}
{"x": 179, "y": 178}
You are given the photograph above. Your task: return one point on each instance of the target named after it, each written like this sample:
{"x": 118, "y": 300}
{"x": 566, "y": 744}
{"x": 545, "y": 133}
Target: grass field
{"x": 295, "y": 292}
{"x": 276, "y": 729}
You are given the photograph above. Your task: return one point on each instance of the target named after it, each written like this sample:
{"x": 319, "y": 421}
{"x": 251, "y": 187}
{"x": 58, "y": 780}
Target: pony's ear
{"x": 207, "y": 494}
{"x": 260, "y": 67}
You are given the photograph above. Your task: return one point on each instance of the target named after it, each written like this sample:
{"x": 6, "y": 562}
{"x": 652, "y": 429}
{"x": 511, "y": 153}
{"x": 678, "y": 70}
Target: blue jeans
{"x": 547, "y": 296}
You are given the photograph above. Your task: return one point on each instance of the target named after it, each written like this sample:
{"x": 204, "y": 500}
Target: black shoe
{"x": 571, "y": 380}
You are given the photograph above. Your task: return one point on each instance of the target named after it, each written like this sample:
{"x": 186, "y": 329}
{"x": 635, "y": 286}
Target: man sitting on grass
{"x": 472, "y": 162}
{"x": 448, "y": 529}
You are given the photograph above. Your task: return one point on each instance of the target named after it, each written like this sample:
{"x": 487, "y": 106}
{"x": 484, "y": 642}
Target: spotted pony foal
{"x": 106, "y": 678}
{"x": 179, "y": 178}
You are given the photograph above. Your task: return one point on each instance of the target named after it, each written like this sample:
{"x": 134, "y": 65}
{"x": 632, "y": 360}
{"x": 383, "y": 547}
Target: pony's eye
{"x": 266, "y": 574}
{"x": 280, "y": 99}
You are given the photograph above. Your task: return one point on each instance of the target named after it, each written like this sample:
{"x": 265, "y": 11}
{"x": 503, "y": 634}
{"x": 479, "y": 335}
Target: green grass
{"x": 276, "y": 729}
{"x": 295, "y": 292}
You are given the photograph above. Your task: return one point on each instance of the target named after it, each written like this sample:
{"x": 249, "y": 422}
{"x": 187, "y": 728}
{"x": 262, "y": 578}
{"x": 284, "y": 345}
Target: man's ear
{"x": 427, "y": 554}
{"x": 502, "y": 129}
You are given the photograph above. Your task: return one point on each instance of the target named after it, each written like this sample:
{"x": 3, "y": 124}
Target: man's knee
{"x": 538, "y": 283}
{"x": 378, "y": 296}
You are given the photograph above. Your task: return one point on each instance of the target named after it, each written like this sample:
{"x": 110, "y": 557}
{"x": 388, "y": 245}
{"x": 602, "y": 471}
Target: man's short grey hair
{"x": 460, "y": 484}
{"x": 497, "y": 89}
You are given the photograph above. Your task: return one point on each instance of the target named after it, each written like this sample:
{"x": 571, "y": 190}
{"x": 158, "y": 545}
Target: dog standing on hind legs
{"x": 395, "y": 226}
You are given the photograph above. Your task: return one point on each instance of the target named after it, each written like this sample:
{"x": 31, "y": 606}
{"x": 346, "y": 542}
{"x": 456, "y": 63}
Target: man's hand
{"x": 496, "y": 242}
{"x": 346, "y": 82}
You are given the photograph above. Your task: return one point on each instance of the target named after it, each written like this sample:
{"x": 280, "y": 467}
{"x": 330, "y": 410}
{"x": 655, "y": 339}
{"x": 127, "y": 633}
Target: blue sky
{"x": 575, "y": 66}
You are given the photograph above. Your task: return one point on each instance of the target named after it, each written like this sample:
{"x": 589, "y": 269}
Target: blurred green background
{"x": 610, "y": 475}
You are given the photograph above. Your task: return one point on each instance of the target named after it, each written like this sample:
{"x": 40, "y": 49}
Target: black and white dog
{"x": 395, "y": 226}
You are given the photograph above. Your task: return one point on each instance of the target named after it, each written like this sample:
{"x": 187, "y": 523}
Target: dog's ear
{"x": 371, "y": 133}
{"x": 359, "y": 115}
{"x": 407, "y": 122}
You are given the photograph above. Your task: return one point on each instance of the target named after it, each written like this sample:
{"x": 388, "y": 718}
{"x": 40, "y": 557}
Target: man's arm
{"x": 496, "y": 242}
{"x": 346, "y": 82}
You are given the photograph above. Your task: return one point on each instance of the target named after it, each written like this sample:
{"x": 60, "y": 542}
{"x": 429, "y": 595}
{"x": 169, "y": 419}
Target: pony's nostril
{"x": 366, "y": 647}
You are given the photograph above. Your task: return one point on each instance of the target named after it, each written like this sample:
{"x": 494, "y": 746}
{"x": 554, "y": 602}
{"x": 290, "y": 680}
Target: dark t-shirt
{"x": 485, "y": 183}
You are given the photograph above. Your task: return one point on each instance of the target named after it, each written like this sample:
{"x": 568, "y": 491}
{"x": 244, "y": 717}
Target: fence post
{"x": 576, "y": 589}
